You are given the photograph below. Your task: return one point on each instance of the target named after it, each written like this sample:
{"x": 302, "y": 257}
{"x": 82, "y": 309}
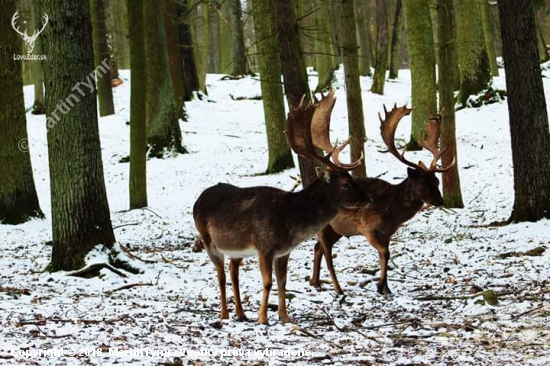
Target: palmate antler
{"x": 308, "y": 128}
{"x": 388, "y": 126}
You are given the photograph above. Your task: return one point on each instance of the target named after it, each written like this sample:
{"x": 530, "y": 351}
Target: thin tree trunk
{"x": 186, "y": 50}
{"x": 356, "y": 121}
{"x": 138, "y": 132}
{"x": 381, "y": 60}
{"x": 488, "y": 36}
{"x": 280, "y": 157}
{"x": 363, "y": 38}
{"x": 214, "y": 57}
{"x": 447, "y": 55}
{"x": 541, "y": 43}
{"x": 163, "y": 129}
{"x": 294, "y": 70}
{"x": 527, "y": 107}
{"x": 18, "y": 199}
{"x": 101, "y": 53}
{"x": 396, "y": 40}
{"x": 239, "y": 52}
{"x": 80, "y": 211}
{"x": 422, "y": 61}
{"x": 171, "y": 19}
{"x": 475, "y": 72}
{"x": 226, "y": 38}
{"x": 202, "y": 43}
{"x": 38, "y": 105}
{"x": 324, "y": 63}
{"x": 117, "y": 18}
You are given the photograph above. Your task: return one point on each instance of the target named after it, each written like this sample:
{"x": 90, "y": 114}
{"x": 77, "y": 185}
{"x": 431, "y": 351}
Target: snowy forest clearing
{"x": 441, "y": 261}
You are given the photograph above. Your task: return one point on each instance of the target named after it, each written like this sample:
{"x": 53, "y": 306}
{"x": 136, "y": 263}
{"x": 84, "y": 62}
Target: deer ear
{"x": 323, "y": 174}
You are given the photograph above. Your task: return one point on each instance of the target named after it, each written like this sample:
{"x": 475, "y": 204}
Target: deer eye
{"x": 346, "y": 185}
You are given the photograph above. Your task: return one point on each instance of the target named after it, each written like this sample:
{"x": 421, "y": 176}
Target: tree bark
{"x": 80, "y": 211}
{"x": 280, "y": 157}
{"x": 527, "y": 107}
{"x": 163, "y": 130}
{"x": 475, "y": 71}
{"x": 239, "y": 52}
{"x": 226, "y": 37}
{"x": 447, "y": 55}
{"x": 138, "y": 132}
{"x": 214, "y": 56}
{"x": 381, "y": 59}
{"x": 422, "y": 61}
{"x": 18, "y": 199}
{"x": 488, "y": 36}
{"x": 363, "y": 38}
{"x": 171, "y": 20}
{"x": 324, "y": 63}
{"x": 395, "y": 40}
{"x": 356, "y": 121}
{"x": 202, "y": 43}
{"x": 38, "y": 105}
{"x": 101, "y": 53}
{"x": 186, "y": 49}
{"x": 117, "y": 27}
{"x": 294, "y": 70}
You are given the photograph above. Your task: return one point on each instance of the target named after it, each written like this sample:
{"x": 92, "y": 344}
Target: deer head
{"x": 29, "y": 40}
{"x": 307, "y": 132}
{"x": 426, "y": 185}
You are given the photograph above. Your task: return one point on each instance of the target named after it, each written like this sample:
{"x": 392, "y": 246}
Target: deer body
{"x": 392, "y": 205}
{"x": 269, "y": 222}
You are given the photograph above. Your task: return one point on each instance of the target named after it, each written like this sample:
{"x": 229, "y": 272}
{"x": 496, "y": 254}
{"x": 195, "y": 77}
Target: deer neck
{"x": 313, "y": 207}
{"x": 409, "y": 204}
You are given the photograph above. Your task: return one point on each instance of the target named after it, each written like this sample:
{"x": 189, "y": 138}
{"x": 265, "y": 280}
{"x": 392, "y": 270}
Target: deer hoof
{"x": 383, "y": 289}
{"x": 285, "y": 318}
{"x": 242, "y": 318}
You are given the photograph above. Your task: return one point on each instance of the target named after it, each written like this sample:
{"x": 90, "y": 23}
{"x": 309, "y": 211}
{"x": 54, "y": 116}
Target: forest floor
{"x": 441, "y": 262}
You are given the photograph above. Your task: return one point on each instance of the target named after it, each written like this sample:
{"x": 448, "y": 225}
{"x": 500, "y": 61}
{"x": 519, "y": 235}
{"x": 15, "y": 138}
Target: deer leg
{"x": 234, "y": 272}
{"x": 328, "y": 237}
{"x": 266, "y": 267}
{"x": 382, "y": 245}
{"x": 281, "y": 265}
{"x": 218, "y": 258}
{"x": 317, "y": 257}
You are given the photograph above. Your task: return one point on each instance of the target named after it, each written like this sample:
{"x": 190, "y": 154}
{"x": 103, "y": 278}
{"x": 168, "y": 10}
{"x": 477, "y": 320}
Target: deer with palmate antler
{"x": 269, "y": 222}
{"x": 29, "y": 40}
{"x": 392, "y": 205}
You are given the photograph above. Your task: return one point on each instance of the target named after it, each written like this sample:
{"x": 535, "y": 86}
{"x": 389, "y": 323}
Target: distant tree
{"x": 102, "y": 53}
{"x": 80, "y": 211}
{"x": 38, "y": 105}
{"x": 294, "y": 69}
{"x": 356, "y": 121}
{"x": 18, "y": 199}
{"x": 240, "y": 66}
{"x": 488, "y": 36}
{"x": 396, "y": 40}
{"x": 381, "y": 60}
{"x": 225, "y": 41}
{"x": 527, "y": 108}
{"x": 280, "y": 157}
{"x": 324, "y": 52}
{"x": 475, "y": 71}
{"x": 138, "y": 130}
{"x": 363, "y": 38}
{"x": 201, "y": 25}
{"x": 447, "y": 56}
{"x": 422, "y": 60}
{"x": 214, "y": 55}
{"x": 186, "y": 47}
{"x": 117, "y": 27}
{"x": 163, "y": 129}
{"x": 181, "y": 90}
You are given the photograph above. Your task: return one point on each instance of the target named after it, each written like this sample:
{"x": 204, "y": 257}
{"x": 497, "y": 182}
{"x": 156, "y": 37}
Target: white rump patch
{"x": 246, "y": 252}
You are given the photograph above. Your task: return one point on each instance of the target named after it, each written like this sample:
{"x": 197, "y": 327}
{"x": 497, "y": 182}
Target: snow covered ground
{"x": 436, "y": 254}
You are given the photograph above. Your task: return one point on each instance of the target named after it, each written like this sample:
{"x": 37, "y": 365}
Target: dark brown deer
{"x": 391, "y": 206}
{"x": 269, "y": 222}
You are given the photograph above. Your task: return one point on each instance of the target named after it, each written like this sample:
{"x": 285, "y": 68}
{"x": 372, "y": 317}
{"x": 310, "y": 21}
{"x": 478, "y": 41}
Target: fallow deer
{"x": 269, "y": 222}
{"x": 392, "y": 205}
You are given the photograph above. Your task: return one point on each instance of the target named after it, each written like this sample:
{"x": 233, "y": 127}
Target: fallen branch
{"x": 489, "y": 296}
{"x": 128, "y": 286}
{"x": 93, "y": 271}
{"x": 528, "y": 312}
{"x": 133, "y": 256}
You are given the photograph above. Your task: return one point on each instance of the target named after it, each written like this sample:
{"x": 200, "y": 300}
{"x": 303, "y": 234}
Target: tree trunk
{"x": 38, "y": 105}
{"x": 239, "y": 52}
{"x": 138, "y": 132}
{"x": 363, "y": 38}
{"x": 171, "y": 20}
{"x": 101, "y": 53}
{"x": 214, "y": 56}
{"x": 226, "y": 37}
{"x": 324, "y": 63}
{"x": 294, "y": 70}
{"x": 447, "y": 55}
{"x": 18, "y": 199}
{"x": 527, "y": 108}
{"x": 381, "y": 60}
{"x": 202, "y": 43}
{"x": 80, "y": 211}
{"x": 488, "y": 36}
{"x": 356, "y": 121}
{"x": 117, "y": 26}
{"x": 541, "y": 43}
{"x": 395, "y": 40}
{"x": 186, "y": 50}
{"x": 163, "y": 129}
{"x": 280, "y": 157}
{"x": 422, "y": 61}
{"x": 475, "y": 72}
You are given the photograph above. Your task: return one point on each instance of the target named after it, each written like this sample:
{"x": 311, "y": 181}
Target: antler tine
{"x": 320, "y": 124}
{"x": 430, "y": 140}
{"x": 388, "y": 126}
{"x": 336, "y": 157}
